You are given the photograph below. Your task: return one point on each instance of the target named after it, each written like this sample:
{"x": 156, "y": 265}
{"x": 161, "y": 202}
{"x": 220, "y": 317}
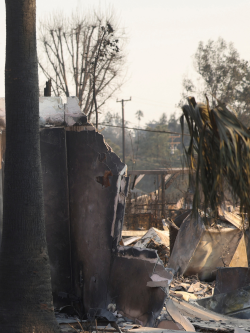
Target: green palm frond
{"x": 218, "y": 152}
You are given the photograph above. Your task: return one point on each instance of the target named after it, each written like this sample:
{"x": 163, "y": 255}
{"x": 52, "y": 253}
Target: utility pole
{"x": 174, "y": 143}
{"x": 123, "y": 129}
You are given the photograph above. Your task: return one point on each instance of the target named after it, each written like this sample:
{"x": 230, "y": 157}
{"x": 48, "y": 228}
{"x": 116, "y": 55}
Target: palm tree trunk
{"x": 25, "y": 283}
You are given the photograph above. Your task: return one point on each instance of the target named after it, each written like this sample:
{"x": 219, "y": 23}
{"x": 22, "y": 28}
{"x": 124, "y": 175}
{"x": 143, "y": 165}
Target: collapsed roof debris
{"x": 191, "y": 295}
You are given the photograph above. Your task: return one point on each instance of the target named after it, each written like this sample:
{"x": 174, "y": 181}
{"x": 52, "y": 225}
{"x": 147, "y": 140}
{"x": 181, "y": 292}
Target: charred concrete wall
{"x": 97, "y": 190}
{"x": 85, "y": 189}
{"x": 84, "y": 193}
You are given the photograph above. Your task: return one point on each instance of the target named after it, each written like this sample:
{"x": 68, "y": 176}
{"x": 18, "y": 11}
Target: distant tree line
{"x": 223, "y": 75}
{"x": 146, "y": 149}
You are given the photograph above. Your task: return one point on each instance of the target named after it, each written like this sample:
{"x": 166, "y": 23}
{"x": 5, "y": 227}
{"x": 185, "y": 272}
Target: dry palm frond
{"x": 219, "y": 151}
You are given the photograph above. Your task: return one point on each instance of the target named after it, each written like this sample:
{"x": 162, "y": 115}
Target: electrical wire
{"x": 145, "y": 130}
{"x": 152, "y": 101}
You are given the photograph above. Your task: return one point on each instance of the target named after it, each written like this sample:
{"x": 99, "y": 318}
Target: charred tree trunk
{"x": 25, "y": 283}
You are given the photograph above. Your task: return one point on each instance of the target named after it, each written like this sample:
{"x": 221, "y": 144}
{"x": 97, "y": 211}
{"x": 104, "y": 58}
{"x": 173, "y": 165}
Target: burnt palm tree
{"x": 218, "y": 154}
{"x": 25, "y": 285}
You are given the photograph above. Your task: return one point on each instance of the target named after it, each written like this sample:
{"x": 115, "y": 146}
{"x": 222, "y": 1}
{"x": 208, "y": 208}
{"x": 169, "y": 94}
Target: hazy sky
{"x": 163, "y": 36}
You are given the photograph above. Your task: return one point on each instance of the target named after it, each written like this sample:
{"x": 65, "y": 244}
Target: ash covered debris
{"x": 191, "y": 288}
{"x": 158, "y": 240}
{"x": 219, "y": 243}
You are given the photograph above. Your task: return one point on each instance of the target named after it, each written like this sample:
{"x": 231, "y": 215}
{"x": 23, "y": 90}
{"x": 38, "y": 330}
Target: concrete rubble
{"x": 158, "y": 240}
{"x": 190, "y": 288}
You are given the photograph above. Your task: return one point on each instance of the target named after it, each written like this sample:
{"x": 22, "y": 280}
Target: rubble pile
{"x": 162, "y": 250}
{"x": 187, "y": 288}
{"x": 157, "y": 240}
{"x": 210, "y": 290}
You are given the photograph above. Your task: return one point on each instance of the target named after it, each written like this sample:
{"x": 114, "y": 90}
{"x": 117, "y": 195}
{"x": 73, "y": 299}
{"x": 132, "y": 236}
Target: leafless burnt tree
{"x": 83, "y": 56}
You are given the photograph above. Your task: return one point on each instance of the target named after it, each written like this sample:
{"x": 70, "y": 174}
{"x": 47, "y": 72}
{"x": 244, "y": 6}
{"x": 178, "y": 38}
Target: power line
{"x": 151, "y": 104}
{"x": 153, "y": 101}
{"x": 145, "y": 130}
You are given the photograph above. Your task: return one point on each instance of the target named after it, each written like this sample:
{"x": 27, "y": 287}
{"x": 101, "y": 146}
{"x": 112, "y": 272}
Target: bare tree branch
{"x": 84, "y": 55}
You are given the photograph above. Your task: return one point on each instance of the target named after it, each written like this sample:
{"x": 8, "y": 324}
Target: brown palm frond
{"x": 218, "y": 152}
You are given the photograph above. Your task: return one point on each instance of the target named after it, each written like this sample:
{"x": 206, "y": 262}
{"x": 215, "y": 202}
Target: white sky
{"x": 163, "y": 36}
